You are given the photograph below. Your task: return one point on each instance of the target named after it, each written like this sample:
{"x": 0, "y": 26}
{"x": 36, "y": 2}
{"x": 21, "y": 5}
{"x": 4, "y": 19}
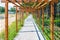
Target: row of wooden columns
{"x": 6, "y": 20}
{"x": 51, "y": 24}
{"x": 51, "y": 20}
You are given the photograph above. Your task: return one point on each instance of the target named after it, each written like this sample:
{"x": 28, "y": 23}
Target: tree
{"x": 12, "y": 9}
{"x": 2, "y": 9}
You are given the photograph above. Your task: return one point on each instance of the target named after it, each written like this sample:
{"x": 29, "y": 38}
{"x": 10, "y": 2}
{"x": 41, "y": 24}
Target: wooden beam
{"x": 43, "y": 5}
{"x": 3, "y": 1}
{"x": 33, "y": 0}
{"x": 52, "y": 20}
{"x": 43, "y": 19}
{"x": 6, "y": 20}
{"x": 34, "y": 5}
{"x": 14, "y": 3}
{"x": 55, "y": 1}
{"x": 40, "y": 2}
{"x": 16, "y": 20}
{"x": 26, "y": 1}
{"x": 20, "y": 1}
{"x": 46, "y": 1}
{"x": 13, "y": 0}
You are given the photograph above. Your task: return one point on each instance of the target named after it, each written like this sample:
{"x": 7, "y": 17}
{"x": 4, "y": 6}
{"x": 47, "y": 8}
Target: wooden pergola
{"x": 36, "y": 5}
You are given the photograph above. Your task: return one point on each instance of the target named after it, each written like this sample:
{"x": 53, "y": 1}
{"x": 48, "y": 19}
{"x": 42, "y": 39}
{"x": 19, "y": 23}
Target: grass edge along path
{"x": 12, "y": 30}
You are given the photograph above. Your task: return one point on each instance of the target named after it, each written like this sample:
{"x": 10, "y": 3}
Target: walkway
{"x": 29, "y": 31}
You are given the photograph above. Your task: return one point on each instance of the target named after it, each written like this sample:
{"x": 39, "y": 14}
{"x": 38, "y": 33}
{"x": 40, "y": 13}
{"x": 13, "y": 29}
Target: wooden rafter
{"x": 14, "y": 2}
{"x": 42, "y": 5}
{"x": 40, "y": 2}
{"x": 55, "y": 1}
{"x": 26, "y": 1}
{"x": 33, "y": 0}
{"x": 34, "y": 5}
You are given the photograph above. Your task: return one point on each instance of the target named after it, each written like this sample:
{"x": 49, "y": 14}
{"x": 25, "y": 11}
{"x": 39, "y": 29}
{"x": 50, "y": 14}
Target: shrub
{"x": 46, "y": 22}
{"x": 57, "y": 23}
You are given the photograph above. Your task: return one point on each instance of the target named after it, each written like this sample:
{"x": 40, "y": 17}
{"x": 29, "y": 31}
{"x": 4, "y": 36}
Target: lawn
{"x": 12, "y": 30}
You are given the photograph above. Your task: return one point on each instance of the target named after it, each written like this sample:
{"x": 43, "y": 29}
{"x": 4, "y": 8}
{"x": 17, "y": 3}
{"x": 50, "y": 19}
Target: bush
{"x": 57, "y": 23}
{"x": 11, "y": 31}
{"x": 46, "y": 22}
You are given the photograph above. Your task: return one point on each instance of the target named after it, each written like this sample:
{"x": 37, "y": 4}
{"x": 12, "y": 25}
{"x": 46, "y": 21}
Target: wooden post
{"x": 52, "y": 21}
{"x": 39, "y": 13}
{"x": 26, "y": 13}
{"x": 22, "y": 16}
{"x": 16, "y": 20}
{"x": 33, "y": 13}
{"x": 6, "y": 20}
{"x": 42, "y": 18}
{"x": 38, "y": 16}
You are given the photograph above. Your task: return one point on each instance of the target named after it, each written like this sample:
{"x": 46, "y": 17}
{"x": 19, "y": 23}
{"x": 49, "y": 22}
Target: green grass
{"x": 46, "y": 32}
{"x": 12, "y": 30}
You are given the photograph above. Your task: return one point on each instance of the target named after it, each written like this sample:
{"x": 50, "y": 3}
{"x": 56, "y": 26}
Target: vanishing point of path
{"x": 29, "y": 31}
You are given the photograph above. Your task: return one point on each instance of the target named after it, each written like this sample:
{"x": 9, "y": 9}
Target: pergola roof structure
{"x": 30, "y": 4}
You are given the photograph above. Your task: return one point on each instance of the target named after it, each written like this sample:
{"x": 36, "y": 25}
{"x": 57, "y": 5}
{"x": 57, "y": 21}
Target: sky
{"x": 9, "y": 6}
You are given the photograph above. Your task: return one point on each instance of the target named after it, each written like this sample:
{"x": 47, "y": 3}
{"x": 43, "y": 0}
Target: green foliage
{"x": 12, "y": 31}
{"x": 2, "y": 9}
{"x": 46, "y": 32}
{"x": 28, "y": 4}
{"x": 46, "y": 22}
{"x": 57, "y": 23}
{"x": 12, "y": 9}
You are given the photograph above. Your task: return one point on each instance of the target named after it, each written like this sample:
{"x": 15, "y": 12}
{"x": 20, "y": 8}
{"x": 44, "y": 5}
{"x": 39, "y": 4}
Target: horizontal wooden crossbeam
{"x": 40, "y": 4}
{"x": 34, "y": 5}
{"x": 14, "y": 3}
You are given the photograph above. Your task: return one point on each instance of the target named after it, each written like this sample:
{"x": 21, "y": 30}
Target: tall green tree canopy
{"x": 2, "y": 9}
{"x": 12, "y": 9}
